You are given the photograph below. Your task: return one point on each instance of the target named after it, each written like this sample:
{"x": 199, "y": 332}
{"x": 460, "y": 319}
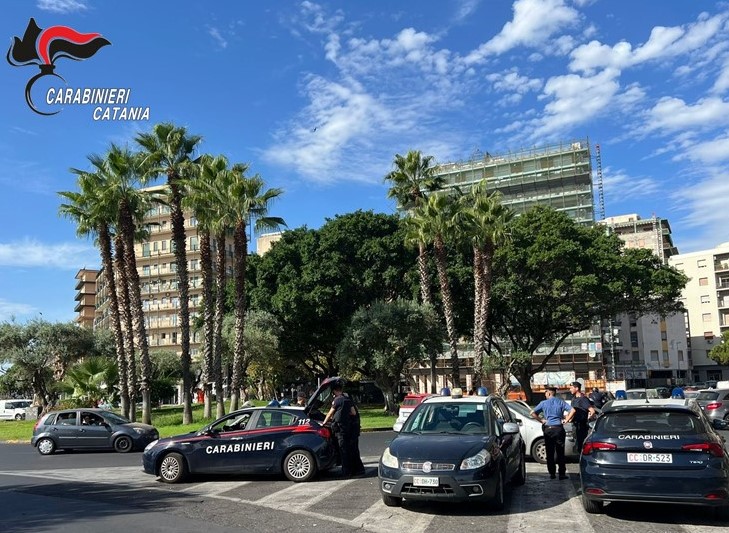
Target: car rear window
{"x": 707, "y": 395}
{"x": 409, "y": 402}
{"x": 655, "y": 422}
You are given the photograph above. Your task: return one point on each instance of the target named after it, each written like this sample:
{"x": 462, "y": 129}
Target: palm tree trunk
{"x": 479, "y": 324}
{"x": 125, "y": 310}
{"x": 219, "y": 315}
{"x": 206, "y": 264}
{"x": 239, "y": 279}
{"x": 121, "y": 358}
{"x": 135, "y": 298}
{"x": 487, "y": 280}
{"x": 425, "y": 292}
{"x": 445, "y": 291}
{"x": 178, "y": 237}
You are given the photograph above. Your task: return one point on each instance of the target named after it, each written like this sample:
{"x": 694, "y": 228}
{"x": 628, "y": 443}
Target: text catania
{"x": 111, "y": 103}
{"x": 240, "y": 447}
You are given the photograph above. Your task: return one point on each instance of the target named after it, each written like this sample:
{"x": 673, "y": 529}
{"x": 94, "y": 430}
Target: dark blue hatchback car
{"x": 658, "y": 451}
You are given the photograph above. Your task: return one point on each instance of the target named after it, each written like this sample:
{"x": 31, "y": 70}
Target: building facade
{"x": 648, "y": 350}
{"x": 86, "y": 297}
{"x": 706, "y": 299}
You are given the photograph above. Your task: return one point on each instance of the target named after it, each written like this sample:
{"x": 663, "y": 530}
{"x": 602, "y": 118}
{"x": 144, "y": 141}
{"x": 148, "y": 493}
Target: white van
{"x": 13, "y": 409}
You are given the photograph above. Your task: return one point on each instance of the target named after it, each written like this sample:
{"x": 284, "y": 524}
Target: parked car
{"x": 657, "y": 451}
{"x": 533, "y": 434}
{"x": 454, "y": 448}
{"x": 408, "y": 405}
{"x": 13, "y": 409}
{"x": 714, "y": 403}
{"x": 641, "y": 394}
{"x": 285, "y": 440}
{"x": 76, "y": 429}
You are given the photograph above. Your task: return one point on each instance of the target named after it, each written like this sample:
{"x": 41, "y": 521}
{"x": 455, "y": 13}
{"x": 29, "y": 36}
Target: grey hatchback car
{"x": 73, "y": 429}
{"x": 714, "y": 403}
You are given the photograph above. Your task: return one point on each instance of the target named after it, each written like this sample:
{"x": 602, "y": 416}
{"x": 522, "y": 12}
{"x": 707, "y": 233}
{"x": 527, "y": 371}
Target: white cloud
{"x": 513, "y": 84}
{"x": 709, "y": 152}
{"x": 217, "y": 37}
{"x": 533, "y": 23}
{"x": 10, "y": 310}
{"x": 673, "y": 114}
{"x": 619, "y": 184}
{"x": 30, "y": 253}
{"x": 465, "y": 9}
{"x": 62, "y": 6}
{"x": 705, "y": 205}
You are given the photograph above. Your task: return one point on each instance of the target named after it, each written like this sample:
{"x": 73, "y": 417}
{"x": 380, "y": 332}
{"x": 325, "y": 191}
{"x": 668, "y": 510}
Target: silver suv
{"x": 714, "y": 403}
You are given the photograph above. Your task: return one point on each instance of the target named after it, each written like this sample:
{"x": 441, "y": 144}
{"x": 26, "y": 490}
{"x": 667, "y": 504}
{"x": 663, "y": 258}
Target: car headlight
{"x": 150, "y": 445}
{"x": 140, "y": 430}
{"x": 476, "y": 461}
{"x": 388, "y": 459}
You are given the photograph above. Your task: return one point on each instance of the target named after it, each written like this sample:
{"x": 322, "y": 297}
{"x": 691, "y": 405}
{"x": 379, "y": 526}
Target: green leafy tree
{"x": 40, "y": 353}
{"x": 314, "y": 280}
{"x": 555, "y": 278}
{"x": 384, "y": 338}
{"x": 720, "y": 352}
{"x": 167, "y": 151}
{"x": 90, "y": 381}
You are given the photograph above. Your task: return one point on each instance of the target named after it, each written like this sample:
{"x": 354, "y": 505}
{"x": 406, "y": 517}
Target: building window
{"x": 145, "y": 270}
{"x": 701, "y": 263}
{"x": 664, "y": 336}
{"x": 706, "y": 317}
{"x": 714, "y": 375}
{"x": 154, "y": 246}
{"x": 164, "y": 245}
{"x": 194, "y": 243}
{"x": 173, "y": 267}
{"x": 705, "y": 299}
{"x": 145, "y": 249}
{"x": 680, "y": 355}
{"x": 703, "y": 282}
{"x": 634, "y": 339}
{"x": 636, "y": 355}
{"x": 654, "y": 355}
{"x": 174, "y": 337}
{"x": 194, "y": 264}
{"x": 665, "y": 356}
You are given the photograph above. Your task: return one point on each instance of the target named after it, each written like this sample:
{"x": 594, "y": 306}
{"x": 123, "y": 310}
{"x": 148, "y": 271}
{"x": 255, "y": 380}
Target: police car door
{"x": 267, "y": 441}
{"x": 218, "y": 448}
{"x": 509, "y": 442}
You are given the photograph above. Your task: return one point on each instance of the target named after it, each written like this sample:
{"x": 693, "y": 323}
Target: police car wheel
{"x": 173, "y": 468}
{"x": 46, "y": 446}
{"x": 391, "y": 501}
{"x": 123, "y": 444}
{"x": 299, "y": 466}
{"x": 497, "y": 502}
{"x": 19, "y": 417}
{"x": 539, "y": 451}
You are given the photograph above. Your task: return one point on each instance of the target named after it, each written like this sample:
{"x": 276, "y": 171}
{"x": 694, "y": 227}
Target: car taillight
{"x": 597, "y": 446}
{"x": 713, "y": 405}
{"x": 37, "y": 423}
{"x": 324, "y": 432}
{"x": 714, "y": 448}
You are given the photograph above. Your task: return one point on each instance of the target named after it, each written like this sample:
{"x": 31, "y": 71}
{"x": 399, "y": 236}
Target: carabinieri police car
{"x": 256, "y": 440}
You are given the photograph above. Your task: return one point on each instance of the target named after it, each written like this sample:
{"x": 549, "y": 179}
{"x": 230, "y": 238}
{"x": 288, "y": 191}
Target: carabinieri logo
{"x": 44, "y": 47}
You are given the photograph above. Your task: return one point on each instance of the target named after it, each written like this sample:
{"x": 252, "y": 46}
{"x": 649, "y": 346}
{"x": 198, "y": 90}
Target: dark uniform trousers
{"x": 581, "y": 430}
{"x": 554, "y": 438}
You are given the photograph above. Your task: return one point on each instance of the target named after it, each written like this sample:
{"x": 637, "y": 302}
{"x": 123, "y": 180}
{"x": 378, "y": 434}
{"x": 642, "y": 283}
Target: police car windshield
{"x": 452, "y": 417}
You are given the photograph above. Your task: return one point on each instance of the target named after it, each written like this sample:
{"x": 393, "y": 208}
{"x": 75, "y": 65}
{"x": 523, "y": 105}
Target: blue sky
{"x": 318, "y": 97}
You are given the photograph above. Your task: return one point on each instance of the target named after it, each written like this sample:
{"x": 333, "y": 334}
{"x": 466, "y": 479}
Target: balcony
{"x": 721, "y": 266}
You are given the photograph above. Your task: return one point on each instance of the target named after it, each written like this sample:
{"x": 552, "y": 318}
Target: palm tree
{"x": 167, "y": 150}
{"x": 486, "y": 228}
{"x": 243, "y": 198}
{"x": 125, "y": 310}
{"x": 414, "y": 174}
{"x": 201, "y": 201}
{"x": 436, "y": 217}
{"x": 121, "y": 170}
{"x": 90, "y": 380}
{"x": 93, "y": 217}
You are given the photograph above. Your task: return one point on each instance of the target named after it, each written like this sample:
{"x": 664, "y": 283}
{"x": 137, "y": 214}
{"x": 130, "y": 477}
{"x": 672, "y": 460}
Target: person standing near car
{"x": 343, "y": 418}
{"x": 582, "y": 410}
{"x": 553, "y": 409}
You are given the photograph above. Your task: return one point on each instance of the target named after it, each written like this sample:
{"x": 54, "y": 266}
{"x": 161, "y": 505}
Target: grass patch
{"x": 168, "y": 420}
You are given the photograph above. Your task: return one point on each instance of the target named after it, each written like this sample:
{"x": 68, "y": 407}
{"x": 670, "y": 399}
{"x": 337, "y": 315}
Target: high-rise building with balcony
{"x": 86, "y": 297}
{"x": 706, "y": 299}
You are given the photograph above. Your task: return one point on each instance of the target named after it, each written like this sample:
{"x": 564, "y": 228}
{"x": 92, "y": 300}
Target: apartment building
{"x": 86, "y": 297}
{"x": 648, "y": 350}
{"x": 706, "y": 298}
{"x": 558, "y": 176}
{"x": 159, "y": 282}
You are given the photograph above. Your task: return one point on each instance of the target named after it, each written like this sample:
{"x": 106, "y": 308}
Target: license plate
{"x": 420, "y": 481}
{"x": 650, "y": 458}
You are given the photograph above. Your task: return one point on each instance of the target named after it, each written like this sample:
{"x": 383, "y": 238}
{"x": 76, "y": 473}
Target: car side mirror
{"x": 720, "y": 424}
{"x": 510, "y": 428}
